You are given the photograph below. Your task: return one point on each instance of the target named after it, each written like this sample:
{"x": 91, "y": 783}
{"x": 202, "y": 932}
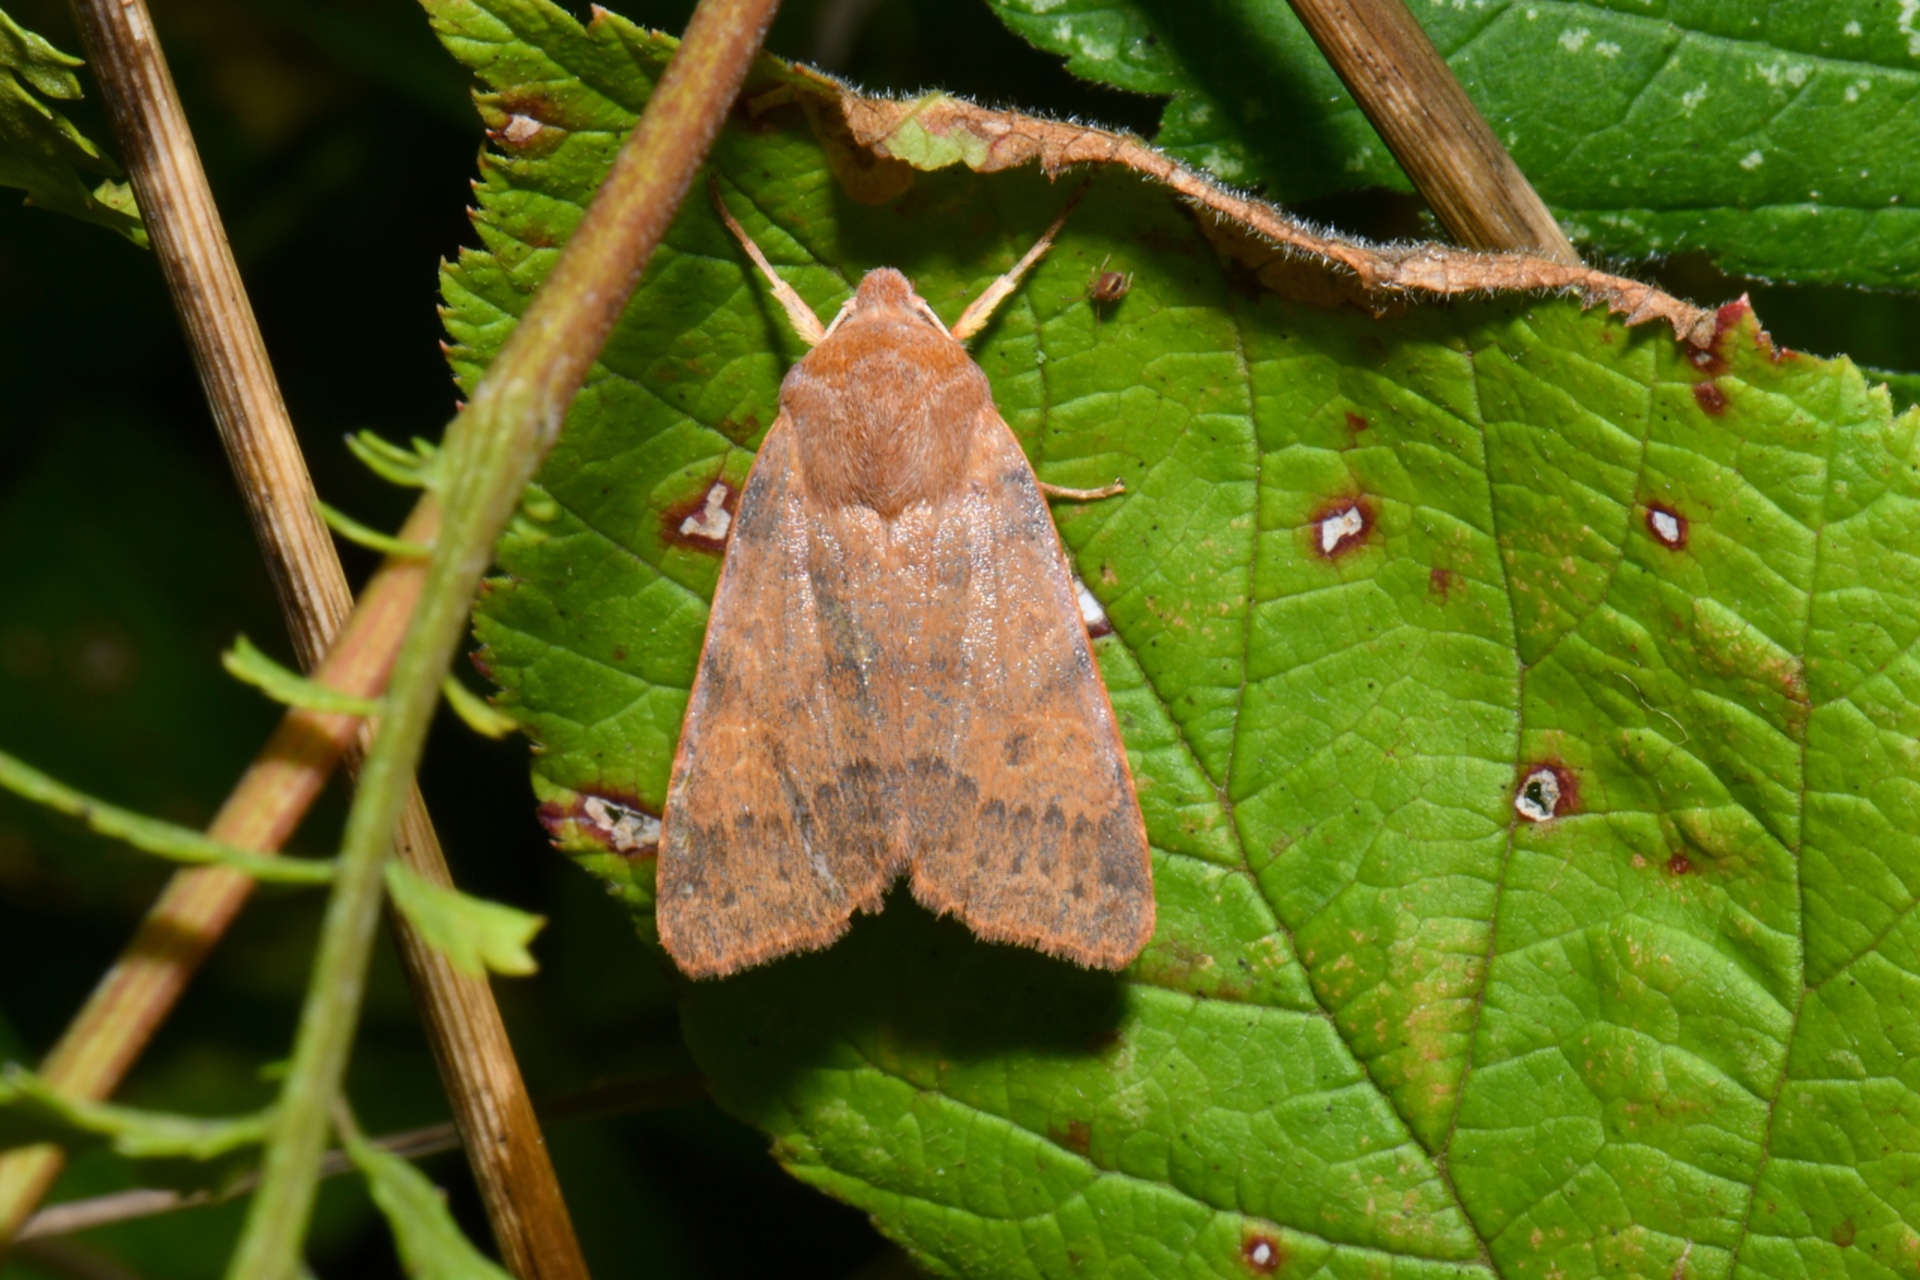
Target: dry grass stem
{"x": 1434, "y": 130}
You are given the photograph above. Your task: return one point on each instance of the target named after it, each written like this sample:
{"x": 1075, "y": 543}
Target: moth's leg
{"x": 981, "y": 309}
{"x": 799, "y": 314}
{"x": 1082, "y": 495}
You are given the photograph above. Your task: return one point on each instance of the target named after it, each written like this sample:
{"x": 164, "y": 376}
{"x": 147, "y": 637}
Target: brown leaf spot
{"x": 1261, "y": 1252}
{"x": 703, "y": 521}
{"x": 1679, "y": 865}
{"x": 1843, "y": 1235}
{"x": 1076, "y": 1137}
{"x": 1793, "y": 683}
{"x": 1547, "y": 790}
{"x": 1668, "y": 527}
{"x": 1710, "y": 398}
{"x": 1341, "y": 526}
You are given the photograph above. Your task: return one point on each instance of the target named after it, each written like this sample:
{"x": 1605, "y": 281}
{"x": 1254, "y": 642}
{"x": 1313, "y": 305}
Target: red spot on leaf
{"x": 480, "y": 664}
{"x": 1261, "y": 1252}
{"x": 1679, "y": 865}
{"x": 1356, "y": 423}
{"x": 1443, "y": 582}
{"x": 1710, "y": 398}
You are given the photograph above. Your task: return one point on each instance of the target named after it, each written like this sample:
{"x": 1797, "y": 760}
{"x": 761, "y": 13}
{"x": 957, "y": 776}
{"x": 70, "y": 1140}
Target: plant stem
{"x": 510, "y": 1162}
{"x": 491, "y": 452}
{"x": 1413, "y": 99}
{"x": 137, "y": 993}
{"x": 610, "y": 1098}
{"x": 150, "y": 129}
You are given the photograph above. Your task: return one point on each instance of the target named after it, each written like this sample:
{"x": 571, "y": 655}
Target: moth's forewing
{"x": 764, "y": 846}
{"x": 1034, "y": 835}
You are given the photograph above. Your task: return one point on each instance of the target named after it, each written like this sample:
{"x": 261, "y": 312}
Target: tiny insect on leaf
{"x": 1109, "y": 286}
{"x": 896, "y": 675}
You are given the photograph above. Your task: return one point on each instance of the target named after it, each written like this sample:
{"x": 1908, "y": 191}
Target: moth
{"x": 896, "y": 677}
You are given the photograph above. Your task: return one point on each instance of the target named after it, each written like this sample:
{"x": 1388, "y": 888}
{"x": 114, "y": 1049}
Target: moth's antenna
{"x": 799, "y": 314}
{"x": 981, "y": 309}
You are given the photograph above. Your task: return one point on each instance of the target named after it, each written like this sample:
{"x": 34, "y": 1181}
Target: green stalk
{"x": 492, "y": 450}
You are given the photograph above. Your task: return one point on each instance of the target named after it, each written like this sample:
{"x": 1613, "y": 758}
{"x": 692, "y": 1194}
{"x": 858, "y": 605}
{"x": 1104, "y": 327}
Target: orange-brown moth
{"x": 896, "y": 677}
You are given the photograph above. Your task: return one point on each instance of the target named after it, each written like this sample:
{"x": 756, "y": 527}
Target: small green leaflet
{"x": 473, "y": 934}
{"x": 177, "y": 1151}
{"x": 151, "y": 835}
{"x": 41, "y": 152}
{"x": 245, "y": 662}
{"x": 431, "y": 1244}
{"x": 1780, "y": 140}
{"x": 1523, "y": 708}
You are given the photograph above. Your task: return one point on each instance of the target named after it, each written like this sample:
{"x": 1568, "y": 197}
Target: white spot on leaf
{"x": 1340, "y": 526}
{"x": 521, "y": 130}
{"x": 1852, "y": 29}
{"x": 1090, "y": 611}
{"x": 1752, "y": 160}
{"x": 626, "y": 830}
{"x": 1573, "y": 40}
{"x": 711, "y": 521}
{"x": 1261, "y": 1254}
{"x": 1666, "y": 526}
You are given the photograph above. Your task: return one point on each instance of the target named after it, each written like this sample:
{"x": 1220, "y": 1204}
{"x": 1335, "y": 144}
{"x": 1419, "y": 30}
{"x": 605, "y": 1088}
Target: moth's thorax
{"x": 885, "y": 408}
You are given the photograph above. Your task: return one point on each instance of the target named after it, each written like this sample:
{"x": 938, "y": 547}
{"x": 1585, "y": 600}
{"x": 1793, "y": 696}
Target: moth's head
{"x": 884, "y": 294}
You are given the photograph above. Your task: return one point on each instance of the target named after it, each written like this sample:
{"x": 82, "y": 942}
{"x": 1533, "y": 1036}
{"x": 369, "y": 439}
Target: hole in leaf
{"x": 1546, "y": 792}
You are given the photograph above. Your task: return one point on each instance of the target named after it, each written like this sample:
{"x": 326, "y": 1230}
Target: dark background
{"x": 339, "y": 141}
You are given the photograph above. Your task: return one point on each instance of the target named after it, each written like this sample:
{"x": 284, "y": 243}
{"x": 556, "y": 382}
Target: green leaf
{"x": 151, "y": 835}
{"x": 1665, "y": 600}
{"x": 178, "y": 1151}
{"x": 41, "y": 152}
{"x": 431, "y": 1244}
{"x": 1780, "y": 140}
{"x": 247, "y": 664}
{"x": 473, "y": 934}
